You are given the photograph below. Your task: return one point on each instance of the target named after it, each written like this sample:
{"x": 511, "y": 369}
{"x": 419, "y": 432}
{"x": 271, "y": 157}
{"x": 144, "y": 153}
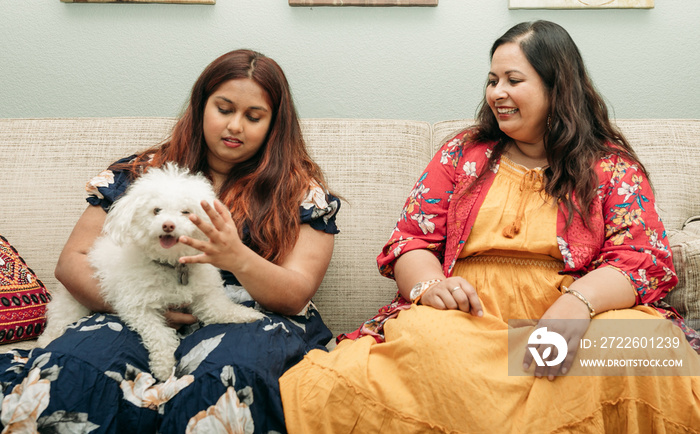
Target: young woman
{"x": 539, "y": 212}
{"x": 272, "y": 237}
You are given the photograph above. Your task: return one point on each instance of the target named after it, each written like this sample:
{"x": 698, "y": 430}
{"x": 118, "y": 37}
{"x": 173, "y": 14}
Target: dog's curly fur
{"x": 136, "y": 263}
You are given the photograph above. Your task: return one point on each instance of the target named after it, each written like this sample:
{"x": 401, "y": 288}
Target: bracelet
{"x": 420, "y": 289}
{"x": 580, "y": 296}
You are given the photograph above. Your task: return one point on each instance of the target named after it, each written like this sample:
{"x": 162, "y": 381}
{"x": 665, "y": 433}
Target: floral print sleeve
{"x": 635, "y": 239}
{"x": 108, "y": 186}
{"x": 319, "y": 209}
{"x": 422, "y": 224}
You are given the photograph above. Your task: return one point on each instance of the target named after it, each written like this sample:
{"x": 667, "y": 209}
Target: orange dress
{"x": 448, "y": 371}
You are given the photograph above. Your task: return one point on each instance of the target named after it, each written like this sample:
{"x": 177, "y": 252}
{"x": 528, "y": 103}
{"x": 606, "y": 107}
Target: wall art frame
{"x": 580, "y": 4}
{"x": 363, "y": 3}
{"x": 199, "y": 2}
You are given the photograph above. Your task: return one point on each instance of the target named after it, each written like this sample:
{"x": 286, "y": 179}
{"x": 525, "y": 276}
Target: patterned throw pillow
{"x": 23, "y": 297}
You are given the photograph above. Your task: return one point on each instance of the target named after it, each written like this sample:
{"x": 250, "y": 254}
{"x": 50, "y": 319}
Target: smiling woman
{"x": 541, "y": 210}
{"x": 520, "y": 103}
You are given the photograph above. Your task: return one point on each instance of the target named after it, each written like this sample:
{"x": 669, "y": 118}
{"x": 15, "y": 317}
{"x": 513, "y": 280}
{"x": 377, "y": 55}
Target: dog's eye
{"x": 186, "y": 212}
{"x": 156, "y": 211}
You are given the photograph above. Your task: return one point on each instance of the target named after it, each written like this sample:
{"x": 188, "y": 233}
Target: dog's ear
{"x": 121, "y": 222}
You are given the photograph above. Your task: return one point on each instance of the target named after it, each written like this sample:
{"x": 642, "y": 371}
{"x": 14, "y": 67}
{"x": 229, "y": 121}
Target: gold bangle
{"x": 580, "y": 296}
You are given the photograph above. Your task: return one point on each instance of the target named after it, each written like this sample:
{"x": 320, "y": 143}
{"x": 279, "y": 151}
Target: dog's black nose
{"x": 168, "y": 227}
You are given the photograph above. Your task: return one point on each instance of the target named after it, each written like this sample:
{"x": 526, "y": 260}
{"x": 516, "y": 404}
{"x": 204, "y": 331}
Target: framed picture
{"x": 363, "y": 2}
{"x": 580, "y": 4}
{"x": 201, "y": 2}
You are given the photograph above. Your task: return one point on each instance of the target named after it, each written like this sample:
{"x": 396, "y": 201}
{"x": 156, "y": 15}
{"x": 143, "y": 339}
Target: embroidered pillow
{"x": 23, "y": 297}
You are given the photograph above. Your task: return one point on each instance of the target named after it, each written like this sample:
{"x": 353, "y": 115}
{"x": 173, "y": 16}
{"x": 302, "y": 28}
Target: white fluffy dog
{"x": 136, "y": 263}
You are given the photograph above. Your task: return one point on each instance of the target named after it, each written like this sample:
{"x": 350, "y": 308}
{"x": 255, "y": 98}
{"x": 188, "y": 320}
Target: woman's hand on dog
{"x": 177, "y": 319}
{"x": 222, "y": 234}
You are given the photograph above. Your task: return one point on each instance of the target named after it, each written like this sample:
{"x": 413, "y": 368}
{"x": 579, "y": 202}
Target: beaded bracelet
{"x": 580, "y": 296}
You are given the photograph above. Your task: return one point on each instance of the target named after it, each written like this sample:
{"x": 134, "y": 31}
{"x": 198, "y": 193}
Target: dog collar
{"x": 183, "y": 272}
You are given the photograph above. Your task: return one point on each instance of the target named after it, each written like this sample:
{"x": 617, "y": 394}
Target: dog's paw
{"x": 247, "y": 314}
{"x": 162, "y": 373}
{"x": 234, "y": 313}
{"x": 162, "y": 369}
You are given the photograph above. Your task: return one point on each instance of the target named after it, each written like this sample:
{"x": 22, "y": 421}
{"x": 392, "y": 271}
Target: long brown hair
{"x": 579, "y": 129}
{"x": 265, "y": 192}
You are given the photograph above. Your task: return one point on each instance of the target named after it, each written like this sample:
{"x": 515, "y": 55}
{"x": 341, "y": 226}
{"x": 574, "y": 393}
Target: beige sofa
{"x": 373, "y": 164}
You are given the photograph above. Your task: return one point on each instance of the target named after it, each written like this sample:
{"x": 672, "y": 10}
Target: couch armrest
{"x": 685, "y": 297}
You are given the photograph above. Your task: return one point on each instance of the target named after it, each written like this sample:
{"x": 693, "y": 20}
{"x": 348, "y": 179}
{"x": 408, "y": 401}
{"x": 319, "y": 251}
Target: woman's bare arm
{"x": 285, "y": 287}
{"x": 73, "y": 269}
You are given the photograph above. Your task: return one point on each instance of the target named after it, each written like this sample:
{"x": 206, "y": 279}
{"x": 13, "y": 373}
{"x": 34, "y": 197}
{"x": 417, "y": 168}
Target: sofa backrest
{"x": 372, "y": 164}
{"x": 668, "y": 148}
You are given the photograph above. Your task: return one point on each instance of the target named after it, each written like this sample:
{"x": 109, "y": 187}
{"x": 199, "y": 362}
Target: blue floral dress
{"x": 95, "y": 378}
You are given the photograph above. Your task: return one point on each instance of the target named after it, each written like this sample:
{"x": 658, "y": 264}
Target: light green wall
{"x": 69, "y": 59}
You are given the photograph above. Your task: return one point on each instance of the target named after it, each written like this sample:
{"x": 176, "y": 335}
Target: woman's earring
{"x": 549, "y": 122}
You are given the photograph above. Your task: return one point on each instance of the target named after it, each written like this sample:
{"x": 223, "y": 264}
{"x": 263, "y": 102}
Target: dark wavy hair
{"x": 579, "y": 129}
{"x": 263, "y": 193}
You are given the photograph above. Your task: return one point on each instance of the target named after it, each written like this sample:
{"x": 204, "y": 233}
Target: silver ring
{"x": 455, "y": 289}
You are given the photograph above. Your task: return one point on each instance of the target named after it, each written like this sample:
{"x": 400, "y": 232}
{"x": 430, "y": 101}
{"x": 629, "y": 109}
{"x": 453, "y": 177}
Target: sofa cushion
{"x": 685, "y": 297}
{"x": 23, "y": 297}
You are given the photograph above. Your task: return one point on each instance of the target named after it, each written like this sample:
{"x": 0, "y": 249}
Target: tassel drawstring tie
{"x": 531, "y": 183}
